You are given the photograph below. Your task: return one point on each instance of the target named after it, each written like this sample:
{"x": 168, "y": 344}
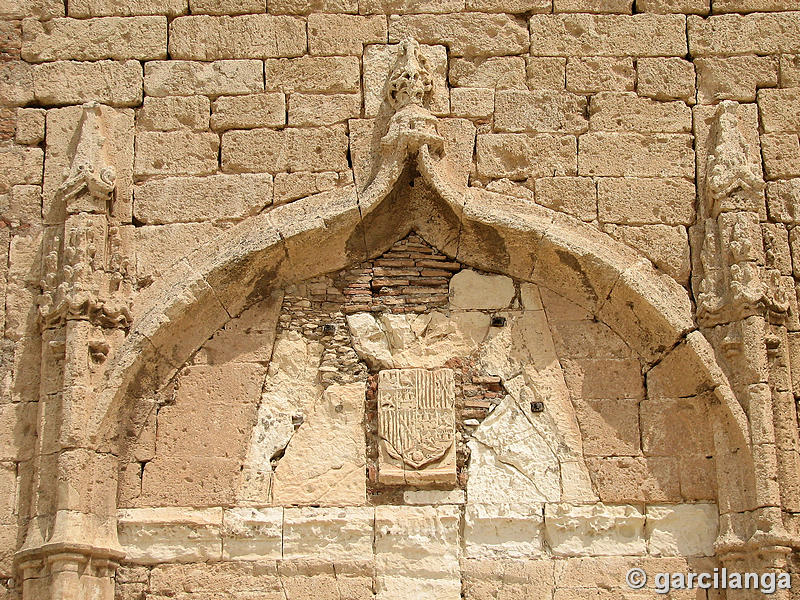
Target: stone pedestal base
{"x": 53, "y": 573}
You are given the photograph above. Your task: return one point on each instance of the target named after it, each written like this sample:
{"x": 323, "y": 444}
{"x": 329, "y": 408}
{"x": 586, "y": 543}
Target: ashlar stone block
{"x": 189, "y": 78}
{"x": 747, "y": 6}
{"x": 504, "y": 531}
{"x": 637, "y": 201}
{"x": 594, "y": 530}
{"x": 510, "y": 6}
{"x": 322, "y": 109}
{"x": 499, "y": 72}
{"x": 466, "y": 34}
{"x": 636, "y": 154}
{"x": 328, "y": 533}
{"x": 158, "y": 247}
{"x": 600, "y": 73}
{"x": 69, "y": 82}
{"x": 175, "y": 112}
{"x": 368, "y": 7}
{"x": 291, "y": 149}
{"x": 780, "y": 109}
{"x": 203, "y": 37}
{"x": 227, "y": 7}
{"x": 472, "y": 290}
{"x": 669, "y": 78}
{"x": 335, "y": 35}
{"x": 781, "y": 152}
{"x": 682, "y": 529}
{"x": 540, "y": 111}
{"x": 43, "y": 9}
{"x": 313, "y": 74}
{"x": 176, "y": 153}
{"x": 734, "y": 77}
{"x": 213, "y": 580}
{"x": 19, "y": 165}
{"x": 118, "y": 38}
{"x": 593, "y": 6}
{"x": 783, "y": 202}
{"x": 608, "y": 35}
{"x": 16, "y": 83}
{"x": 519, "y": 156}
{"x": 249, "y": 111}
{"x": 158, "y": 535}
{"x": 681, "y": 7}
{"x": 790, "y": 70}
{"x": 304, "y": 7}
{"x": 575, "y": 196}
{"x": 475, "y": 103}
{"x": 545, "y": 72}
{"x": 186, "y": 199}
{"x": 82, "y": 9}
{"x": 757, "y": 33}
{"x": 610, "y": 111}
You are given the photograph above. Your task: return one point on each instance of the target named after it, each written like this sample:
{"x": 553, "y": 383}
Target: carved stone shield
{"x": 416, "y": 414}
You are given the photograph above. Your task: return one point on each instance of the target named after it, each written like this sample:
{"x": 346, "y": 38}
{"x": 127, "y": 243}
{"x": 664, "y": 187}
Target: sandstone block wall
{"x": 598, "y": 110}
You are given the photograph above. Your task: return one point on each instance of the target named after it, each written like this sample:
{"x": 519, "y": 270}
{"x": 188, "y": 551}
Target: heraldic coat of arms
{"x": 416, "y": 420}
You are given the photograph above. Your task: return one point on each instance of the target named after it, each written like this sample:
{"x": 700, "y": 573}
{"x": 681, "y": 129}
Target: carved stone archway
{"x": 496, "y": 232}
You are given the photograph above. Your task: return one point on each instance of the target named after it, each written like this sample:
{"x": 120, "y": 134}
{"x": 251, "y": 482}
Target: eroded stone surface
{"x": 594, "y": 530}
{"x": 417, "y": 550}
{"x": 324, "y": 461}
{"x": 252, "y": 533}
{"x": 683, "y": 530}
{"x": 427, "y": 341}
{"x": 290, "y": 391}
{"x": 160, "y": 535}
{"x": 503, "y": 530}
{"x": 471, "y": 290}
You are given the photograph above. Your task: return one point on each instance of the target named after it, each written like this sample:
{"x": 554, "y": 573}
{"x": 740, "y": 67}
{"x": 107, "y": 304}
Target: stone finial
{"x": 89, "y": 172}
{"x": 412, "y": 125}
{"x": 86, "y": 274}
{"x": 410, "y": 80}
{"x": 734, "y": 285}
{"x": 733, "y": 180}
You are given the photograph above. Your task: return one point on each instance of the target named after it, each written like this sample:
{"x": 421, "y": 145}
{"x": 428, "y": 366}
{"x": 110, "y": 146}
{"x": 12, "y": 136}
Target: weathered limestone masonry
{"x": 396, "y": 299}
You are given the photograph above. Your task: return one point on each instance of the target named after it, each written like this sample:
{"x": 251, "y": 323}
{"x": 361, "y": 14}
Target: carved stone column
{"x": 743, "y": 307}
{"x": 71, "y": 549}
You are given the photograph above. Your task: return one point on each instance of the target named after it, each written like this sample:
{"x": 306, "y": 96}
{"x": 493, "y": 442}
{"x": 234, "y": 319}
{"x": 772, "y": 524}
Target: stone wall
{"x": 604, "y": 114}
{"x": 263, "y": 498}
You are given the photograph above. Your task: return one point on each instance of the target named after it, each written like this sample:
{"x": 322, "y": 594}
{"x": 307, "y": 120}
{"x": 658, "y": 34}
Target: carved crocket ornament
{"x": 86, "y": 274}
{"x": 734, "y": 284}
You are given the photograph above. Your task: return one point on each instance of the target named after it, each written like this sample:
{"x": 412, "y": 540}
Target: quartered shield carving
{"x": 416, "y": 415}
